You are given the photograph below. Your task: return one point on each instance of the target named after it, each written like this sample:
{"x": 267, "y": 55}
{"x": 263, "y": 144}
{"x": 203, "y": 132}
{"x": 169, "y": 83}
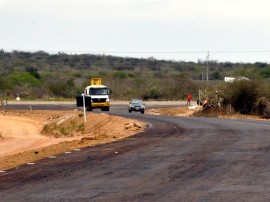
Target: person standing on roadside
{"x": 189, "y": 98}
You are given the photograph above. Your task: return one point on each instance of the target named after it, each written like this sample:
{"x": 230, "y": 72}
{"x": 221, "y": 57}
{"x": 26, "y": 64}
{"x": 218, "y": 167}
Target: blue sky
{"x": 181, "y": 30}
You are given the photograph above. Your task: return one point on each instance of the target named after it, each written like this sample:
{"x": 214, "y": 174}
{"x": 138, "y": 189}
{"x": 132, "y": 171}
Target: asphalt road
{"x": 175, "y": 159}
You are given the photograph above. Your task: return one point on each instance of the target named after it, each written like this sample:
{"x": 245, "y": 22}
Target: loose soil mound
{"x": 175, "y": 111}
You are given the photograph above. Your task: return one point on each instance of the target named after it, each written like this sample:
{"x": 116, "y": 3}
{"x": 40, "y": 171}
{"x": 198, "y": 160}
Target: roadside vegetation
{"x": 65, "y": 126}
{"x": 239, "y": 97}
{"x": 43, "y": 76}
{"x": 40, "y": 75}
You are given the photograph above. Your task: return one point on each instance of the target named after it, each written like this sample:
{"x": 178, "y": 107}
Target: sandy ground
{"x": 27, "y": 136}
{"x": 19, "y": 134}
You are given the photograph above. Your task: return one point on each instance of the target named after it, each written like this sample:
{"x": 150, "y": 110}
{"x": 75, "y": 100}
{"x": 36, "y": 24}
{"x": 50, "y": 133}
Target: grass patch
{"x": 66, "y": 126}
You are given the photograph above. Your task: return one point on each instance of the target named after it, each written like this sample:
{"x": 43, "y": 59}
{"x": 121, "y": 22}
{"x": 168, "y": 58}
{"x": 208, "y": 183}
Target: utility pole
{"x": 207, "y": 65}
{"x": 202, "y": 75}
{"x": 84, "y": 109}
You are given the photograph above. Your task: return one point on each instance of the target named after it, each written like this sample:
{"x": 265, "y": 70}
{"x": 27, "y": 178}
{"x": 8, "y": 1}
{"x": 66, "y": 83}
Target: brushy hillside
{"x": 40, "y": 75}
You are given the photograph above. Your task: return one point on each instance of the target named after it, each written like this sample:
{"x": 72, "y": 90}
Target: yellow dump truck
{"x": 98, "y": 95}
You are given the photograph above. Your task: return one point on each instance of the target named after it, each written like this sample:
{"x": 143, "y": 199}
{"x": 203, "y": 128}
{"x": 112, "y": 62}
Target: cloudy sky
{"x": 231, "y": 30}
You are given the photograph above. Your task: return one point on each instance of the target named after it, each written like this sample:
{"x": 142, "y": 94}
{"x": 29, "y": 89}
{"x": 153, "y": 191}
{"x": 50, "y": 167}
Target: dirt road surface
{"x": 174, "y": 159}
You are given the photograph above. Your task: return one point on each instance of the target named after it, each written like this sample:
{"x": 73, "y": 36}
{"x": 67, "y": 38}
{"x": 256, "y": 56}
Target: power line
{"x": 141, "y": 52}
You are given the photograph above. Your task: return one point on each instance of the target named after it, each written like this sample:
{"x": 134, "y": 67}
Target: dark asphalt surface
{"x": 175, "y": 159}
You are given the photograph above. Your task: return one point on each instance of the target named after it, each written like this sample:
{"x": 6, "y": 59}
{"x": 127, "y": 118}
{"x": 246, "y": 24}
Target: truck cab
{"x": 99, "y": 95}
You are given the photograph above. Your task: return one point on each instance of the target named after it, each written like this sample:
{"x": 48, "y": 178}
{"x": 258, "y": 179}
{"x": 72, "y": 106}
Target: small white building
{"x": 229, "y": 79}
{"x": 239, "y": 78}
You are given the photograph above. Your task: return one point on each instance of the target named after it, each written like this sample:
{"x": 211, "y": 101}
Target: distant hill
{"x": 40, "y": 75}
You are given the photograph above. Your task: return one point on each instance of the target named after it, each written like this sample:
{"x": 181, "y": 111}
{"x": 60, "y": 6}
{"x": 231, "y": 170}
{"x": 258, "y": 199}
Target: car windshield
{"x": 139, "y": 102}
{"x": 98, "y": 91}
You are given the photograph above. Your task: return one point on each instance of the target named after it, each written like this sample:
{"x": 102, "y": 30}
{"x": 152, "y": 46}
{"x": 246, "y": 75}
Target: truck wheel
{"x": 89, "y": 109}
{"x": 142, "y": 111}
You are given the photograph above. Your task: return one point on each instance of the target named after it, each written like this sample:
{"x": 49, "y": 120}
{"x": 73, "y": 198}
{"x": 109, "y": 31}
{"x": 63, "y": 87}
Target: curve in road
{"x": 177, "y": 159}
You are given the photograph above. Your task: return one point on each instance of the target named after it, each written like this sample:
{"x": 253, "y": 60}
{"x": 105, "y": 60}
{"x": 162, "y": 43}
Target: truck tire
{"x": 89, "y": 109}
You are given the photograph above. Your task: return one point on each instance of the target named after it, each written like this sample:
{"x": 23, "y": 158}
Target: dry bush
{"x": 66, "y": 126}
{"x": 207, "y": 112}
{"x": 263, "y": 107}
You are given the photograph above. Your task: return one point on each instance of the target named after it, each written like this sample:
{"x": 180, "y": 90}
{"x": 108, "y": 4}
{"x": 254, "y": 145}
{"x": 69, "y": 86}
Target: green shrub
{"x": 242, "y": 95}
{"x": 78, "y": 75}
{"x": 119, "y": 75}
{"x": 63, "y": 88}
{"x": 265, "y": 73}
{"x": 33, "y": 71}
{"x": 152, "y": 93}
{"x": 19, "y": 78}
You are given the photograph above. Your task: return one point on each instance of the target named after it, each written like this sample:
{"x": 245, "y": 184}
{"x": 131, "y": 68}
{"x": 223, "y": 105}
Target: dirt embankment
{"x": 27, "y": 136}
